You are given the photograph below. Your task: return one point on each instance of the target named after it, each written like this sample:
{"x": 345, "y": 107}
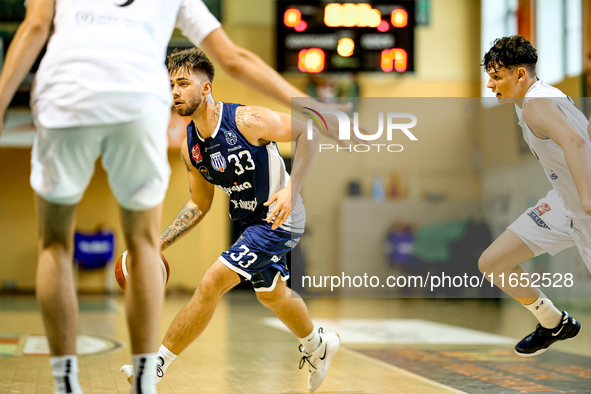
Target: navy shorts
{"x": 259, "y": 255}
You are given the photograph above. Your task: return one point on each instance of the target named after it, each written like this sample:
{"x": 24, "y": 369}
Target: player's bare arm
{"x": 251, "y": 70}
{"x": 546, "y": 120}
{"x": 261, "y": 125}
{"x": 195, "y": 209}
{"x": 24, "y": 49}
{"x": 249, "y": 120}
{"x": 248, "y": 68}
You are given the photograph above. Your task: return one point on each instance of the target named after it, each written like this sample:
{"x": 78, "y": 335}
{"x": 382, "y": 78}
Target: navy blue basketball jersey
{"x": 249, "y": 174}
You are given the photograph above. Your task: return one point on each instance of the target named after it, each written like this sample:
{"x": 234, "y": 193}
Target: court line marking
{"x": 402, "y": 371}
{"x": 401, "y": 331}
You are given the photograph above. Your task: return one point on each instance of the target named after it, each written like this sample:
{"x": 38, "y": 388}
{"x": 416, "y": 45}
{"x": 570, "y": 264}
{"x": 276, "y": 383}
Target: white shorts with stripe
{"x": 546, "y": 228}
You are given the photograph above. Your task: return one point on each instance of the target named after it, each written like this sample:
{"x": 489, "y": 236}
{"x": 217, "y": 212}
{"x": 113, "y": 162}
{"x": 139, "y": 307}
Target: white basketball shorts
{"x": 546, "y": 228}
{"x": 134, "y": 155}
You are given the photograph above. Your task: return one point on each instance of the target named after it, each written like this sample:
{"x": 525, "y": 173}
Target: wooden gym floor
{"x": 388, "y": 346}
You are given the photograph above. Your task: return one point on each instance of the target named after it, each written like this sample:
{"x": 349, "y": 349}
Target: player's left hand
{"x": 282, "y": 207}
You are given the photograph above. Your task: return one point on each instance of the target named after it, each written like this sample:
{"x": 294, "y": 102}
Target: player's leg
{"x": 190, "y": 322}
{"x": 62, "y": 163}
{"x": 290, "y": 308}
{"x": 259, "y": 255}
{"x": 55, "y": 281}
{"x": 539, "y": 230}
{"x": 134, "y": 154}
{"x": 318, "y": 348}
{"x": 145, "y": 290}
{"x": 193, "y": 318}
{"x": 56, "y": 292}
{"x": 504, "y": 258}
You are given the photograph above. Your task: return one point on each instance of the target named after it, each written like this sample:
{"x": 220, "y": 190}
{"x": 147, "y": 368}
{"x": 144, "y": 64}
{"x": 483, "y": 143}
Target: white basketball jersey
{"x": 106, "y": 59}
{"x": 550, "y": 154}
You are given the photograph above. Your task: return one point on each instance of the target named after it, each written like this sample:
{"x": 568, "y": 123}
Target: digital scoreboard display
{"x": 328, "y": 36}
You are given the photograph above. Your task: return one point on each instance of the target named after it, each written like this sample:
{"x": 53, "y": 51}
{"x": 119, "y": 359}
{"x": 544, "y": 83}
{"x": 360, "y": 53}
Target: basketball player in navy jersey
{"x": 233, "y": 147}
{"x": 558, "y": 136}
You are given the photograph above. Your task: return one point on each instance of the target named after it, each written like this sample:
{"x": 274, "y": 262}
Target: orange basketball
{"x": 122, "y": 273}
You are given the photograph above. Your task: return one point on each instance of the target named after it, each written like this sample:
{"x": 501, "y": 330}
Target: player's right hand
{"x": 282, "y": 210}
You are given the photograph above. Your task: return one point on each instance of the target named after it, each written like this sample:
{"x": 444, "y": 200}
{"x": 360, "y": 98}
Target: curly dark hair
{"x": 511, "y": 51}
{"x": 190, "y": 59}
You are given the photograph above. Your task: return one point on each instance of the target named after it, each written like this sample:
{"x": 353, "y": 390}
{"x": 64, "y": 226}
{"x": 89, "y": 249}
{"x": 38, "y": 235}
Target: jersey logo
{"x": 196, "y": 152}
{"x": 537, "y": 219}
{"x": 128, "y": 2}
{"x": 543, "y": 208}
{"x": 231, "y": 137}
{"x": 218, "y": 162}
{"x": 210, "y": 147}
{"x": 237, "y": 188}
{"x": 250, "y": 205}
{"x": 205, "y": 173}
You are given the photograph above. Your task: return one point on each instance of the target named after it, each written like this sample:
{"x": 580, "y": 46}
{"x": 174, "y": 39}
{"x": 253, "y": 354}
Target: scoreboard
{"x": 328, "y": 36}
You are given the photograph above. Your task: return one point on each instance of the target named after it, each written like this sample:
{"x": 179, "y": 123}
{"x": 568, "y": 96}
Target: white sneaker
{"x": 319, "y": 359}
{"x": 127, "y": 371}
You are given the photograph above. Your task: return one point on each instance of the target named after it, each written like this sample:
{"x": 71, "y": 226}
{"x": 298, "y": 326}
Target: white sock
{"x": 144, "y": 367}
{"x": 65, "y": 373}
{"x": 546, "y": 313}
{"x": 311, "y": 342}
{"x": 165, "y": 358}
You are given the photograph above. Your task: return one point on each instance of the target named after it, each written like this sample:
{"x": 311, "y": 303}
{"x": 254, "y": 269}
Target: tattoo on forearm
{"x": 187, "y": 166}
{"x": 184, "y": 221}
{"x": 247, "y": 117}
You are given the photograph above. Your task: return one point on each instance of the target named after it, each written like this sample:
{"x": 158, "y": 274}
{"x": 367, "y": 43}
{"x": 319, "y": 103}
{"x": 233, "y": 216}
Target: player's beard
{"x": 190, "y": 107}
